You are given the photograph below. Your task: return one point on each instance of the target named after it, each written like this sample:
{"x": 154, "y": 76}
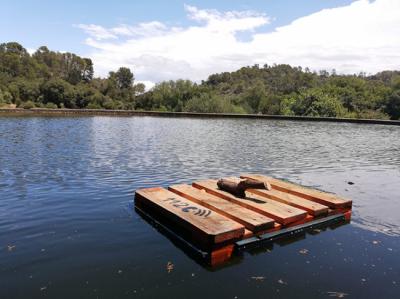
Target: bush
{"x": 94, "y": 106}
{"x": 5, "y": 97}
{"x": 315, "y": 102}
{"x": 59, "y": 92}
{"x": 50, "y": 105}
{"x": 238, "y": 110}
{"x": 206, "y": 103}
{"x": 109, "y": 104}
{"x": 28, "y": 105}
{"x": 393, "y": 105}
{"x": 287, "y": 105}
{"x": 372, "y": 114}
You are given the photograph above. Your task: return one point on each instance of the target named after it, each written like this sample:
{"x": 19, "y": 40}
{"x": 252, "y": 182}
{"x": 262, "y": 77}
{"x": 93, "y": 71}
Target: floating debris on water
{"x": 170, "y": 267}
{"x": 337, "y": 294}
{"x": 303, "y": 251}
{"x": 258, "y": 278}
{"x": 280, "y": 281}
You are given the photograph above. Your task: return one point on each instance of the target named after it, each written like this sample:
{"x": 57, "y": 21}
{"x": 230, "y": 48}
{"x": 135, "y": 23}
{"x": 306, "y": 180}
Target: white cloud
{"x": 96, "y": 31}
{"x": 142, "y": 29}
{"x": 363, "y": 36}
{"x": 229, "y": 22}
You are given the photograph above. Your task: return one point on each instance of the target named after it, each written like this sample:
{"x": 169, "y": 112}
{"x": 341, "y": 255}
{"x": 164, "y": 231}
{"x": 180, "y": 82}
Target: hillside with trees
{"x": 61, "y": 80}
{"x": 64, "y": 80}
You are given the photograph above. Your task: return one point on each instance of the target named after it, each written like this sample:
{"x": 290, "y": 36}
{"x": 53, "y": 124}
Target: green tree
{"x": 87, "y": 70}
{"x": 393, "y": 105}
{"x": 13, "y": 48}
{"x": 314, "y": 102}
{"x": 124, "y": 78}
{"x": 59, "y": 92}
{"x": 207, "y": 103}
{"x": 5, "y": 97}
{"x": 254, "y": 96}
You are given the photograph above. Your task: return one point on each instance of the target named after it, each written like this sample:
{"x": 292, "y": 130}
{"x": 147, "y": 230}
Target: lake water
{"x": 68, "y": 228}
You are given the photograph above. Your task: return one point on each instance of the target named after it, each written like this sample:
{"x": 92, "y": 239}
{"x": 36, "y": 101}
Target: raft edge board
{"x": 231, "y": 231}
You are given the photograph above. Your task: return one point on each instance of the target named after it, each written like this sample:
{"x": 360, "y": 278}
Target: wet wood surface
{"x": 251, "y": 220}
{"x": 313, "y": 208}
{"x": 281, "y": 213}
{"x": 324, "y": 198}
{"x": 208, "y": 224}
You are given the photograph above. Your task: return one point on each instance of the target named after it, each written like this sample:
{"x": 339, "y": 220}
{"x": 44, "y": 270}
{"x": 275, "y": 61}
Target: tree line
{"x": 51, "y": 79}
{"x": 64, "y": 80}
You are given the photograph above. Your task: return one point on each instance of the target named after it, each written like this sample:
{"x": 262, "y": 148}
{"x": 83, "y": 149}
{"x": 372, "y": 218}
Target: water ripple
{"x": 67, "y": 185}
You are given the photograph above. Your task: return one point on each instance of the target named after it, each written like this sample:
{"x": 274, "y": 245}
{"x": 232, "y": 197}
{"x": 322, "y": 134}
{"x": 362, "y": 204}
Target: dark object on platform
{"x": 238, "y": 188}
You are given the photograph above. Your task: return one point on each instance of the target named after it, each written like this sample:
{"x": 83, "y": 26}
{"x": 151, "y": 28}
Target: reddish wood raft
{"x": 216, "y": 221}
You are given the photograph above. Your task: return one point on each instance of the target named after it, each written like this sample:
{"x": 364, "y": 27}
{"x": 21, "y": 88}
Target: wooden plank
{"x": 249, "y": 233}
{"x": 250, "y": 219}
{"x": 210, "y": 227}
{"x": 311, "y": 207}
{"x": 324, "y": 198}
{"x": 281, "y": 213}
{"x": 302, "y": 221}
{"x": 221, "y": 255}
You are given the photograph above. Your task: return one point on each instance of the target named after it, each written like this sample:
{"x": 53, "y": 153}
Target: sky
{"x": 168, "y": 40}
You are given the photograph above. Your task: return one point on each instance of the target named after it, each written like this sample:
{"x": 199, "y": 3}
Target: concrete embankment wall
{"x": 94, "y": 112}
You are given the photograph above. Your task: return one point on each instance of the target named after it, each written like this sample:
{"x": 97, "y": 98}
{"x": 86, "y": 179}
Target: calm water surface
{"x": 68, "y": 228}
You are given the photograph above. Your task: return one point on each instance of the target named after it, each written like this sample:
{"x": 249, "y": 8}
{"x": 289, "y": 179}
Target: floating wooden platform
{"x": 216, "y": 222}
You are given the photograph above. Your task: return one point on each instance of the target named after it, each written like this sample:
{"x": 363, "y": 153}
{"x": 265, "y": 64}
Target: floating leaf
{"x": 337, "y": 294}
{"x": 281, "y": 281}
{"x": 303, "y": 251}
{"x": 258, "y": 278}
{"x": 170, "y": 267}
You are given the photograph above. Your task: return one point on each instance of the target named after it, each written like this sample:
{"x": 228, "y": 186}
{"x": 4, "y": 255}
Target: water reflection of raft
{"x": 216, "y": 222}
